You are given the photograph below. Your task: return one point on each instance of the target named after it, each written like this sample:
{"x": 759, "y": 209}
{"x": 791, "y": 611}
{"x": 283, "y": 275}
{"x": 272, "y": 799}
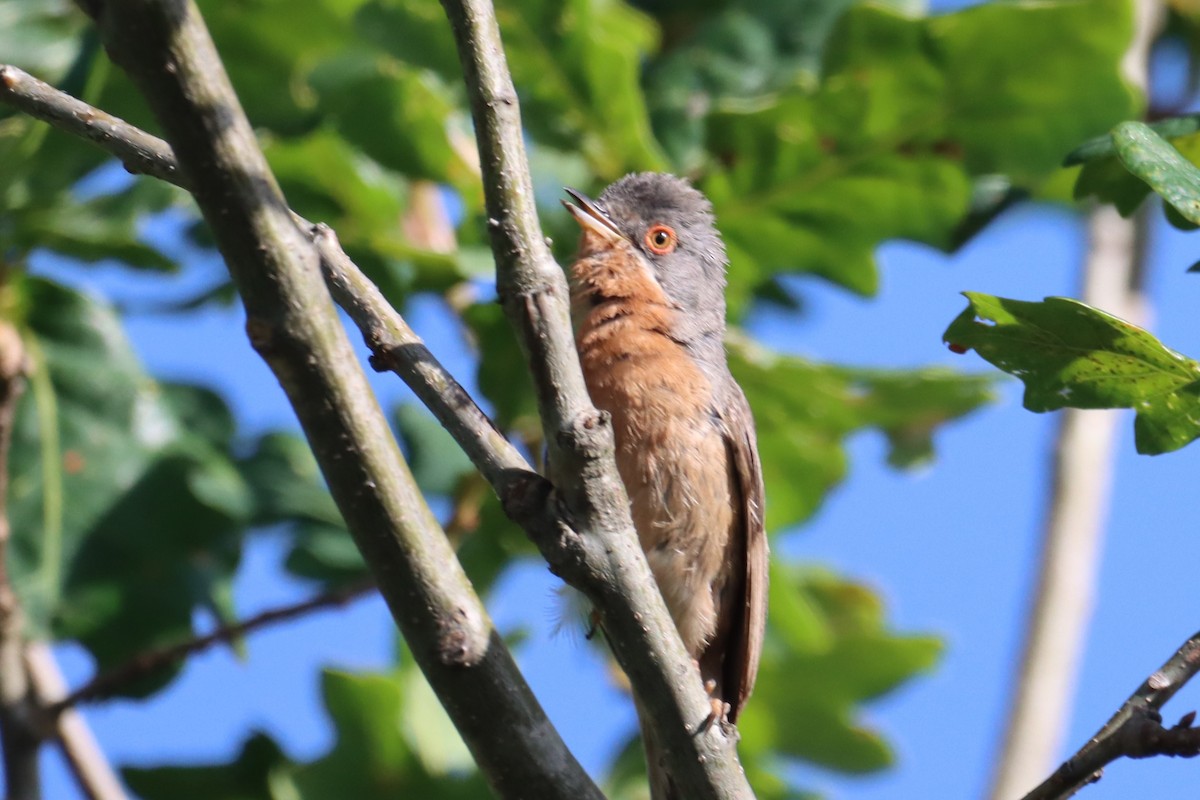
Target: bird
{"x": 648, "y": 308}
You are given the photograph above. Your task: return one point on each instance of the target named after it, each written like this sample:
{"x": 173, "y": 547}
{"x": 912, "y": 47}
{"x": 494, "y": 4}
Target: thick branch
{"x": 601, "y": 555}
{"x": 166, "y": 49}
{"x": 1135, "y": 731}
{"x": 109, "y": 683}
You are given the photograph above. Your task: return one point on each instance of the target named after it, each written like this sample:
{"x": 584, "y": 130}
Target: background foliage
{"x": 819, "y": 128}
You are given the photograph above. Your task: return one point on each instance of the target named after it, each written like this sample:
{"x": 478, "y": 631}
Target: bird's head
{"x": 651, "y": 231}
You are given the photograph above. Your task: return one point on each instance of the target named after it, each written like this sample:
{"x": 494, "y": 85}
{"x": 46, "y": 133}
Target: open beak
{"x": 598, "y": 229}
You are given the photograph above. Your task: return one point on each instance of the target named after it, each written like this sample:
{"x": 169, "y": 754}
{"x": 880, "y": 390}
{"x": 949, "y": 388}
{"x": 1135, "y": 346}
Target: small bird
{"x": 648, "y": 303}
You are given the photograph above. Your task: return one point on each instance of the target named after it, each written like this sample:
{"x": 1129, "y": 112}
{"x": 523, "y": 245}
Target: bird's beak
{"x": 598, "y": 230}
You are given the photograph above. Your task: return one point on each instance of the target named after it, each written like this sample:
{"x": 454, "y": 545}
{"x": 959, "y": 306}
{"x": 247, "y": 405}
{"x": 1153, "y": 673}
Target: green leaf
{"x": 414, "y": 32}
{"x": 1102, "y": 147}
{"x": 268, "y": 47}
{"x": 288, "y": 488}
{"x": 392, "y": 740}
{"x": 326, "y": 179}
{"x": 40, "y": 36}
{"x": 42, "y": 165}
{"x": 427, "y": 727}
{"x": 202, "y": 412}
{"x": 102, "y": 228}
{"x": 503, "y": 376}
{"x": 1110, "y": 182}
{"x": 824, "y": 678}
{"x": 1151, "y": 158}
{"x": 132, "y": 587}
{"x": 805, "y": 412}
{"x": 742, "y": 50}
{"x": 125, "y": 520}
{"x": 910, "y": 112}
{"x": 248, "y": 777}
{"x": 1113, "y": 180}
{"x": 1071, "y": 355}
{"x": 372, "y": 757}
{"x": 399, "y": 116}
{"x": 286, "y": 481}
{"x": 576, "y": 67}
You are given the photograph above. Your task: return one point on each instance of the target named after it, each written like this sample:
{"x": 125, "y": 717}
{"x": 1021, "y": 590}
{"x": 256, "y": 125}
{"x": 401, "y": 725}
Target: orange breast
{"x": 670, "y": 454}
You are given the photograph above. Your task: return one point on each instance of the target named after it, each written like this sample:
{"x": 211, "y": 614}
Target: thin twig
{"x": 140, "y": 152}
{"x": 601, "y": 555}
{"x": 1135, "y": 731}
{"x": 165, "y": 48}
{"x": 109, "y": 683}
{"x": 397, "y": 348}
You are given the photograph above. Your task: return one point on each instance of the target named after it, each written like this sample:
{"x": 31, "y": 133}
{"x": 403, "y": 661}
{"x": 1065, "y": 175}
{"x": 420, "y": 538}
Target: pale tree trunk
{"x": 1078, "y": 502}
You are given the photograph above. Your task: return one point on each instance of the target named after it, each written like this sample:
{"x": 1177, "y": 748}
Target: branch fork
{"x": 581, "y": 523}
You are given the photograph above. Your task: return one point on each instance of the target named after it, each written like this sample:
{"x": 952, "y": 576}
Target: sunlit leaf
{"x": 1071, "y": 355}
{"x": 908, "y": 114}
{"x": 371, "y": 757}
{"x": 1151, "y": 158}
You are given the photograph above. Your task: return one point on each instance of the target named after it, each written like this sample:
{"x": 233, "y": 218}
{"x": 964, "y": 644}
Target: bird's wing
{"x": 746, "y": 635}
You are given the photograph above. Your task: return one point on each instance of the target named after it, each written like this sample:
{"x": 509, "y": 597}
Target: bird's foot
{"x": 718, "y": 709}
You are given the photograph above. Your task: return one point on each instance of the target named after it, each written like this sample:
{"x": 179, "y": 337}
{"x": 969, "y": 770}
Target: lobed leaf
{"x": 909, "y": 114}
{"x": 1071, "y": 355}
{"x": 125, "y": 520}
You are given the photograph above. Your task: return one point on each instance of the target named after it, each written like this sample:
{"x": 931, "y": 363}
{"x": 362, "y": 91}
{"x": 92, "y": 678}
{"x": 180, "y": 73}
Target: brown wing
{"x": 746, "y": 636}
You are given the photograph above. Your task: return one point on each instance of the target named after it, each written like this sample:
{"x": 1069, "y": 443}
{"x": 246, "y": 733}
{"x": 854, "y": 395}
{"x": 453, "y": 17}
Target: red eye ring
{"x": 660, "y": 239}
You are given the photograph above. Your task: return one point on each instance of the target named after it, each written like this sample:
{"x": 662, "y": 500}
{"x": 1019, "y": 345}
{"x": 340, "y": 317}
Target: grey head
{"x": 671, "y": 224}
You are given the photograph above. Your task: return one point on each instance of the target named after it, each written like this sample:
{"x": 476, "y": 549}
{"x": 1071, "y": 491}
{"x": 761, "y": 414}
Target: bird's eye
{"x": 660, "y": 239}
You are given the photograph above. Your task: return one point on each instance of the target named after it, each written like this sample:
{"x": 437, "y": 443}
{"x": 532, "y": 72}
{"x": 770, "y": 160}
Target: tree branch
{"x": 107, "y": 684}
{"x": 166, "y": 49}
{"x": 641, "y": 640}
{"x": 601, "y": 555}
{"x": 397, "y": 348}
{"x": 1135, "y": 731}
{"x": 140, "y": 152}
